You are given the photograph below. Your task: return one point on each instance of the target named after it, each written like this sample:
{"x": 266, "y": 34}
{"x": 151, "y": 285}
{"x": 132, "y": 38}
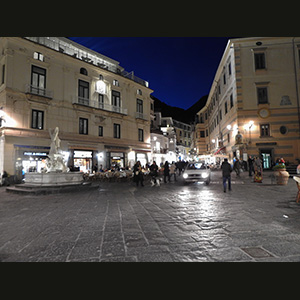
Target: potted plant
{"x": 280, "y": 173}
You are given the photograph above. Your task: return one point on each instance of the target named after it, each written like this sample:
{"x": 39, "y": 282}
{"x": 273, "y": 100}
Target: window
{"x": 224, "y": 78}
{"x": 283, "y": 130}
{"x": 116, "y": 82}
{"x": 83, "y": 71}
{"x": 101, "y": 101}
{"x": 37, "y": 119}
{"x": 139, "y": 92}
{"x": 100, "y": 131}
{"x": 262, "y": 95}
{"x": 229, "y": 69}
{"x": 116, "y": 99}
{"x": 141, "y": 135}
{"x": 260, "y": 61}
{"x": 38, "y": 56}
{"x": 139, "y": 106}
{"x": 38, "y": 81}
{"x": 83, "y": 126}
{"x": 220, "y": 113}
{"x": 83, "y": 92}
{"x": 231, "y": 101}
{"x": 264, "y": 130}
{"x": 202, "y": 134}
{"x": 117, "y": 131}
{"x": 226, "y": 108}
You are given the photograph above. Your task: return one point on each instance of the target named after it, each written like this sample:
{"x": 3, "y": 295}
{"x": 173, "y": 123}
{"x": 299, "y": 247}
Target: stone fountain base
{"x": 52, "y": 183}
{"x": 54, "y": 179}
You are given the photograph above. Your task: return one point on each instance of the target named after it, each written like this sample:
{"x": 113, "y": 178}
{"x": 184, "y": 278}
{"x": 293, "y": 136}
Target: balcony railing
{"x": 98, "y": 105}
{"x": 30, "y": 89}
{"x": 139, "y": 115}
{"x": 75, "y": 50}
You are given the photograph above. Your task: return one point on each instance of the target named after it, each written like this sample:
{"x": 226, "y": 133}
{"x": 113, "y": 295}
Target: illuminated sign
{"x": 83, "y": 154}
{"x": 35, "y": 154}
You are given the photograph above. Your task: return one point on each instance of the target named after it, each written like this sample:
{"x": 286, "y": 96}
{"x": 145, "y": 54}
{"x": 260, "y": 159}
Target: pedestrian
{"x": 138, "y": 174}
{"x": 298, "y": 167}
{"x": 5, "y": 176}
{"x": 258, "y": 170}
{"x": 154, "y": 173}
{"x": 173, "y": 171}
{"x": 166, "y": 172}
{"x": 250, "y": 163}
{"x": 237, "y": 167}
{"x": 226, "y": 173}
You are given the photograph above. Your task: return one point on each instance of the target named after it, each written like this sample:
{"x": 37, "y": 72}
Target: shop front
{"x": 83, "y": 161}
{"x": 117, "y": 160}
{"x": 30, "y": 159}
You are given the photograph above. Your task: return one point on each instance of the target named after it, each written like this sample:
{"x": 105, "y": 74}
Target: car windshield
{"x": 196, "y": 166}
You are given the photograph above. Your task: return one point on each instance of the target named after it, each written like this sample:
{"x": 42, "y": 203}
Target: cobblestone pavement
{"x": 172, "y": 223}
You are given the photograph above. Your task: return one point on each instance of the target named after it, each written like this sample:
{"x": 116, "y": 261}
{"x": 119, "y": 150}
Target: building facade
{"x": 103, "y": 112}
{"x": 253, "y": 105}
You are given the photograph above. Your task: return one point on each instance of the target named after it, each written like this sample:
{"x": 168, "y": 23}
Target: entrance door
{"x": 266, "y": 155}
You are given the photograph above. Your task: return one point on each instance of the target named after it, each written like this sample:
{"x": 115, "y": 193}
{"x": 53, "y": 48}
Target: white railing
{"x": 98, "y": 105}
{"x": 30, "y": 89}
{"x": 75, "y": 50}
{"x": 139, "y": 115}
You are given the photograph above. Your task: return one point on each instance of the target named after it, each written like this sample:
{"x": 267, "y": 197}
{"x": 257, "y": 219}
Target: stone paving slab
{"x": 120, "y": 222}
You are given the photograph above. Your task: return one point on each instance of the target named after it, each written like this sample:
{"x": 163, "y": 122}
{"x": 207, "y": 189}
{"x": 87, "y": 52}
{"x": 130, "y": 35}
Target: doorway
{"x": 267, "y": 158}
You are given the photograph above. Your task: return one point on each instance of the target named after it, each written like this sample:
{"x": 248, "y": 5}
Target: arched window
{"x": 83, "y": 71}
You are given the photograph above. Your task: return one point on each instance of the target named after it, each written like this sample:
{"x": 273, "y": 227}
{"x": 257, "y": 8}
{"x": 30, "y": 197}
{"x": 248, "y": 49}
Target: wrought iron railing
{"x": 30, "y": 89}
{"x": 99, "y": 105}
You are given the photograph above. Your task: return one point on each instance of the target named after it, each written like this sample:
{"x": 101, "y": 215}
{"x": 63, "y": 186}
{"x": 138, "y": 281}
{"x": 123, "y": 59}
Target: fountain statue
{"x": 55, "y": 161}
{"x": 56, "y": 174}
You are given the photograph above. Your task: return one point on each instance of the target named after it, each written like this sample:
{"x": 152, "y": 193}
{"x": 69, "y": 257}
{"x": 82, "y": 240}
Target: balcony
{"x": 97, "y": 105}
{"x": 33, "y": 90}
{"x": 142, "y": 116}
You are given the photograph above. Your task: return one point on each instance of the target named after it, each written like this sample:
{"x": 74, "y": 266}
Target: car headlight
{"x": 185, "y": 176}
{"x": 205, "y": 175}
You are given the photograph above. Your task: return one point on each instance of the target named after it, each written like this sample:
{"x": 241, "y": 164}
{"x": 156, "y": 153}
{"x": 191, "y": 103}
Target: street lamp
{"x": 248, "y": 127}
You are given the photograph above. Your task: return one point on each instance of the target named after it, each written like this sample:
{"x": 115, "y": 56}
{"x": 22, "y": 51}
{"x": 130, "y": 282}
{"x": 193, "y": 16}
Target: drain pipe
{"x": 296, "y": 81}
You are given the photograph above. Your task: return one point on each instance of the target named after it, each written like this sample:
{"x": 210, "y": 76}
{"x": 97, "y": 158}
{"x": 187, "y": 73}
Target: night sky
{"x": 180, "y": 70}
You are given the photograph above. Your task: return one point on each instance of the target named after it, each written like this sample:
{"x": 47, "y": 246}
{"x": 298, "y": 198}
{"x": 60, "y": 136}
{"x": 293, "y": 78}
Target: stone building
{"x": 253, "y": 106}
{"x": 103, "y": 112}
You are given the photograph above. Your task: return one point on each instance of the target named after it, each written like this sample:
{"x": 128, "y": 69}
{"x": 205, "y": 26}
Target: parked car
{"x": 197, "y": 172}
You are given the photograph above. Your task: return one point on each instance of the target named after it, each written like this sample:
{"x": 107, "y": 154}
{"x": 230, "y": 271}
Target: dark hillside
{"x": 179, "y": 114}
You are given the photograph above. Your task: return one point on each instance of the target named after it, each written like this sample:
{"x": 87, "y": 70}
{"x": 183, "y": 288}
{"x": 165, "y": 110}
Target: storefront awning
{"x": 221, "y": 151}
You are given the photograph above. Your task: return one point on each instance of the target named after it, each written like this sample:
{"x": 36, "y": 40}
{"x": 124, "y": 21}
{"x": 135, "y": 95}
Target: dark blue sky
{"x": 180, "y": 70}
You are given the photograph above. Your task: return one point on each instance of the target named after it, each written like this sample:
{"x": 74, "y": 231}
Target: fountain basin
{"x": 53, "y": 179}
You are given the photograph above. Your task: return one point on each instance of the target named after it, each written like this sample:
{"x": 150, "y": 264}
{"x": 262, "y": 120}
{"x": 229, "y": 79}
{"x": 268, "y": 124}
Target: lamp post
{"x": 250, "y": 126}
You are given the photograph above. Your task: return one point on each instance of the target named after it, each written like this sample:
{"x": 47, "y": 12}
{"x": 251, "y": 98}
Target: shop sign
{"x": 83, "y": 154}
{"x": 35, "y": 154}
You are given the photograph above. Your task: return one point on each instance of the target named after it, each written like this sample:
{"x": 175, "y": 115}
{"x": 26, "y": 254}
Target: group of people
{"x": 254, "y": 166}
{"x": 168, "y": 170}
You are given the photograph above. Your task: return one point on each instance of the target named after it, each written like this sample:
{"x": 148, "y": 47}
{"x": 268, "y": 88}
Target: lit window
{"x": 116, "y": 82}
{"x": 38, "y": 56}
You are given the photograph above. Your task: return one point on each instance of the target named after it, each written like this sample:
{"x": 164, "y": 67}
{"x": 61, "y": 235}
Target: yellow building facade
{"x": 253, "y": 104}
{"x": 103, "y": 112}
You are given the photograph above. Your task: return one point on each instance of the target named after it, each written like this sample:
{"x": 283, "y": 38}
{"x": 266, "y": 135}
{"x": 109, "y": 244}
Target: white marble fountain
{"x": 56, "y": 173}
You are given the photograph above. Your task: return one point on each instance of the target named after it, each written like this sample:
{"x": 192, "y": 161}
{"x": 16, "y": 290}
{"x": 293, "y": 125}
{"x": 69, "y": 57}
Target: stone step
{"x": 42, "y": 190}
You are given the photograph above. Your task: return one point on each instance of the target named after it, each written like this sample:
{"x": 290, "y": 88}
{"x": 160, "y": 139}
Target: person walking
{"x": 138, "y": 174}
{"x": 166, "y": 172}
{"x": 237, "y": 167}
{"x": 250, "y": 163}
{"x": 154, "y": 173}
{"x": 226, "y": 173}
{"x": 173, "y": 171}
